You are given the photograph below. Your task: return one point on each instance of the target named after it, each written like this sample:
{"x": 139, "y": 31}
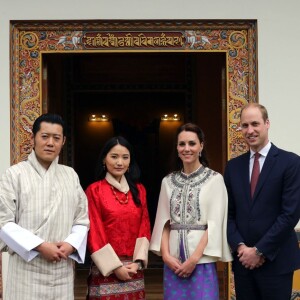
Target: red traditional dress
{"x": 119, "y": 234}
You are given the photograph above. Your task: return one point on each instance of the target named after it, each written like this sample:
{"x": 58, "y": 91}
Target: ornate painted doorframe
{"x": 31, "y": 39}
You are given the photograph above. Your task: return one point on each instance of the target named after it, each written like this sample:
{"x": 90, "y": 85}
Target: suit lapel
{"x": 266, "y": 169}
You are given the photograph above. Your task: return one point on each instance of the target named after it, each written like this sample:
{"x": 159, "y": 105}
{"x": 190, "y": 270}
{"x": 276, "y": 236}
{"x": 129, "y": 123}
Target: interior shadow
{"x": 135, "y": 90}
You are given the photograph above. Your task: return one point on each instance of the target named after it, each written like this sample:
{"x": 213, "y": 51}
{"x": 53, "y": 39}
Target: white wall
{"x": 278, "y": 44}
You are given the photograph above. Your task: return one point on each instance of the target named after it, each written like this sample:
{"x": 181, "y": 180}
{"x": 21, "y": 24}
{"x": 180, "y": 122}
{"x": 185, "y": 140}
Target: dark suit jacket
{"x": 267, "y": 221}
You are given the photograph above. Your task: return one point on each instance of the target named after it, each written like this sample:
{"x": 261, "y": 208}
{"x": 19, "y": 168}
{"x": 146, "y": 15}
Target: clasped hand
{"x": 249, "y": 258}
{"x": 184, "y": 269}
{"x": 126, "y": 272}
{"x": 55, "y": 252}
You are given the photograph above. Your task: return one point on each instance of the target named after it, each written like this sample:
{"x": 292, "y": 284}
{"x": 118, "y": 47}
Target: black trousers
{"x": 256, "y": 286}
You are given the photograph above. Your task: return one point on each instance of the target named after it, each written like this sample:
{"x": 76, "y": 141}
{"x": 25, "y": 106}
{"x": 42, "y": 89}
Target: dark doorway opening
{"x": 135, "y": 89}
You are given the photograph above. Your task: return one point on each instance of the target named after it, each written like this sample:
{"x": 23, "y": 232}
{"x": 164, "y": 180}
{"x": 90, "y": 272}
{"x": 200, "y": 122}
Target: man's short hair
{"x": 262, "y": 109}
{"x": 48, "y": 118}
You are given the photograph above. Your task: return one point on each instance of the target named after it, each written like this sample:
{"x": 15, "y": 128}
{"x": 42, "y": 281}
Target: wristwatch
{"x": 257, "y": 252}
{"x": 140, "y": 265}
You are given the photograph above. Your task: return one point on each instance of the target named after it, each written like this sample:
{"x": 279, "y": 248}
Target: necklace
{"x": 117, "y": 198}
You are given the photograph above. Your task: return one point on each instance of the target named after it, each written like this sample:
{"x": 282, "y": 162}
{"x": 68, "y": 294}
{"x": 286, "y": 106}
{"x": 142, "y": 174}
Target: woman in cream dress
{"x": 190, "y": 227}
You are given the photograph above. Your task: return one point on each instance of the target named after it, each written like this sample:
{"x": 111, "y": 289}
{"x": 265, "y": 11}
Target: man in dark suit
{"x": 261, "y": 226}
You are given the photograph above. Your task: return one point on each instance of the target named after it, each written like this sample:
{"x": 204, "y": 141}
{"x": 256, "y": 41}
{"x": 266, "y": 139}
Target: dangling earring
{"x": 199, "y": 154}
{"x": 104, "y": 166}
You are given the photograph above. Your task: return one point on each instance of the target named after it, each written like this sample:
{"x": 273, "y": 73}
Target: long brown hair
{"x": 177, "y": 164}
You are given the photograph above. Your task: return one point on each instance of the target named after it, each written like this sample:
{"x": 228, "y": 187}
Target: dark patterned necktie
{"x": 255, "y": 173}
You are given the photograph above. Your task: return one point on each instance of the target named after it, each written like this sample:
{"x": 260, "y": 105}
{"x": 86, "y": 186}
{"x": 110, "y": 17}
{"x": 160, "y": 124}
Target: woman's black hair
{"x": 177, "y": 164}
{"x": 133, "y": 173}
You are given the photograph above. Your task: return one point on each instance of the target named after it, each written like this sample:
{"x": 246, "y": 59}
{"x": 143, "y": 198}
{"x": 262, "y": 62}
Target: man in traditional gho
{"x": 43, "y": 219}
